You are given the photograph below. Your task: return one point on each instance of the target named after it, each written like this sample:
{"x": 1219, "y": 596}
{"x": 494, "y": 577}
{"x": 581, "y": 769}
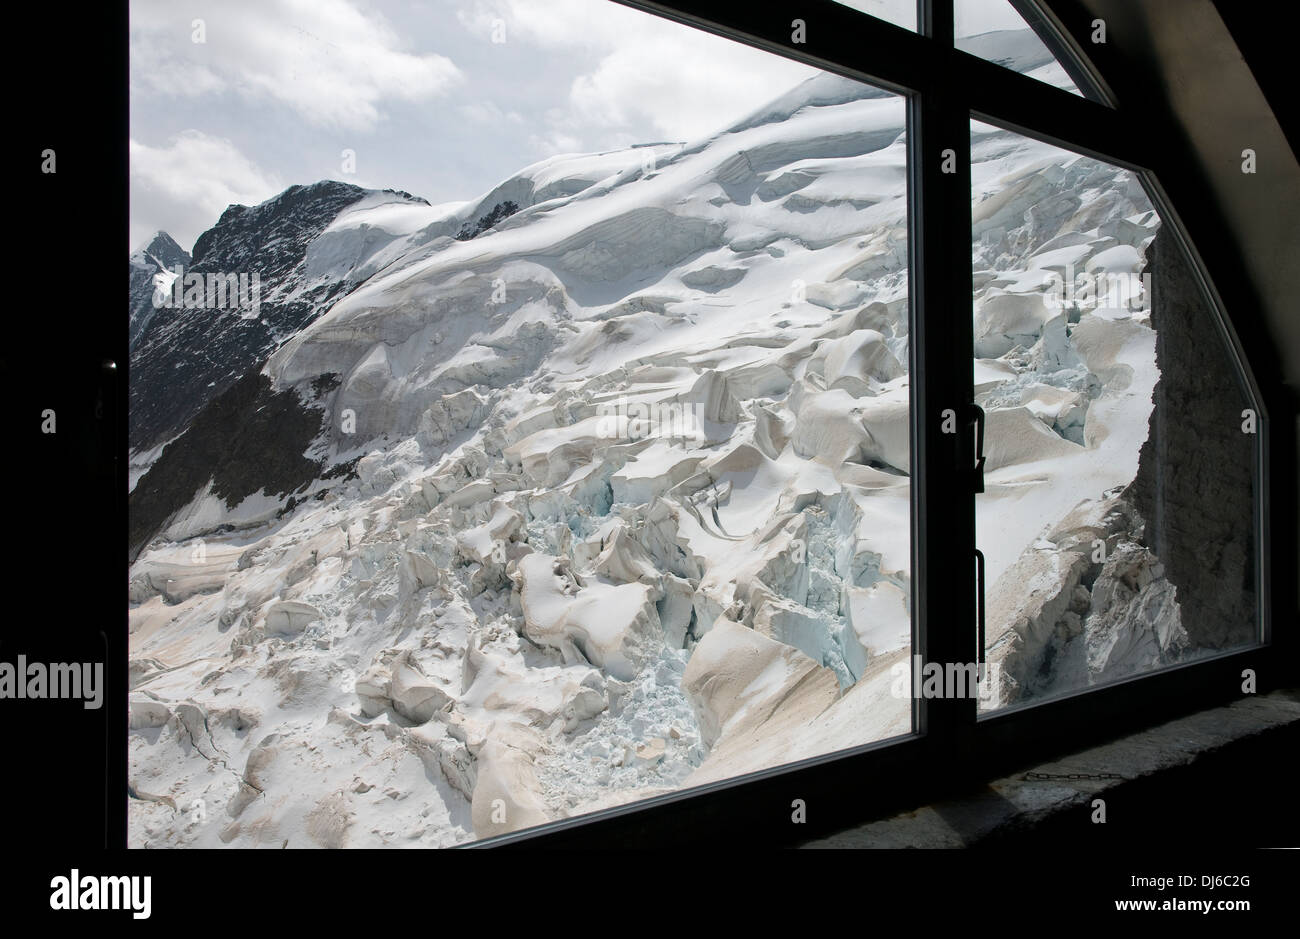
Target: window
{"x": 750, "y": 460}
{"x": 601, "y": 484}
{"x": 1117, "y": 518}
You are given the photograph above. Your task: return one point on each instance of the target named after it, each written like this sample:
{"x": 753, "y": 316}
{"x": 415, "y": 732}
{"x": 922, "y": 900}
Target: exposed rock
{"x": 1195, "y": 482}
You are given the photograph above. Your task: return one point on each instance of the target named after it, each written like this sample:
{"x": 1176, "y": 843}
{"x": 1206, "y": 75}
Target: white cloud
{"x": 553, "y": 143}
{"x": 684, "y": 82}
{"x": 488, "y": 112}
{"x": 329, "y": 61}
{"x": 576, "y": 23}
{"x": 184, "y": 187}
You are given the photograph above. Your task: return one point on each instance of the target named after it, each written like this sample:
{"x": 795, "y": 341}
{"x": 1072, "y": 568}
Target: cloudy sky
{"x": 419, "y": 89}
{"x": 234, "y": 100}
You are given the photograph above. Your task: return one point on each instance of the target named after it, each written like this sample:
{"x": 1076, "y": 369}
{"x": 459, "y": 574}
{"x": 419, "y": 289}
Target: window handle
{"x": 977, "y": 415}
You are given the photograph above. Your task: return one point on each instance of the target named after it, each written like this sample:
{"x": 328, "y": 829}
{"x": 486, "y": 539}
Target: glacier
{"x": 465, "y": 597}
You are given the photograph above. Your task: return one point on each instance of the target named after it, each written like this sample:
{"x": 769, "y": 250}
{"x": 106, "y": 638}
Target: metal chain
{"x": 1038, "y": 776}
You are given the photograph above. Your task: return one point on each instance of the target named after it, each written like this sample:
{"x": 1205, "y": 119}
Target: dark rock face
{"x": 500, "y": 212}
{"x": 159, "y": 254}
{"x": 1195, "y": 485}
{"x": 246, "y": 440}
{"x": 188, "y": 356}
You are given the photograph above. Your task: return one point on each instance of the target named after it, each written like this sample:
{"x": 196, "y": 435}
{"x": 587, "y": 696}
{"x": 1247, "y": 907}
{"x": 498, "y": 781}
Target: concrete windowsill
{"x": 1230, "y": 763}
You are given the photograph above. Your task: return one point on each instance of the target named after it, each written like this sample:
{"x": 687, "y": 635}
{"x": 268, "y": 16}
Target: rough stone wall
{"x": 1195, "y": 482}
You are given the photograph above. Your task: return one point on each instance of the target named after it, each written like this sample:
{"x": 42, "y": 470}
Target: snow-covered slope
{"x": 609, "y": 498}
{"x": 1020, "y": 50}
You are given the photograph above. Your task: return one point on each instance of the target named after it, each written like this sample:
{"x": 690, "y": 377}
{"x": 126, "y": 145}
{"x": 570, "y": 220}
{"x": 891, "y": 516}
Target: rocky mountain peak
{"x": 201, "y": 340}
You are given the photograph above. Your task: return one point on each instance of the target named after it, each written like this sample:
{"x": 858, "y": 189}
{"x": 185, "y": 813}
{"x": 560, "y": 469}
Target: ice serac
{"x": 762, "y": 703}
{"x": 1093, "y": 604}
{"x": 738, "y": 679}
{"x": 610, "y": 626}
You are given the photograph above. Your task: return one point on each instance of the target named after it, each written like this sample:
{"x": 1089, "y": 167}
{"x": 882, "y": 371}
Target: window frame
{"x": 951, "y": 745}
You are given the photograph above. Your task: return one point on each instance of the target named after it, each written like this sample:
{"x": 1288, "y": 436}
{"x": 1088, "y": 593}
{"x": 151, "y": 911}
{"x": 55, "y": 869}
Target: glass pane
{"x": 1118, "y": 516}
{"x": 899, "y": 12}
{"x": 584, "y": 483}
{"x": 996, "y": 32}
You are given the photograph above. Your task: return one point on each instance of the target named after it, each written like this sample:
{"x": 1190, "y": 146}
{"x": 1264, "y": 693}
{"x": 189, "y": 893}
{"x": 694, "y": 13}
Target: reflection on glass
{"x": 899, "y": 12}
{"x": 993, "y": 30}
{"x": 1117, "y": 519}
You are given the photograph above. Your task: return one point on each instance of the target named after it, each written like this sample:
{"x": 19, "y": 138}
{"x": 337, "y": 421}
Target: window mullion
{"x": 935, "y": 20}
{"x": 942, "y": 385}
